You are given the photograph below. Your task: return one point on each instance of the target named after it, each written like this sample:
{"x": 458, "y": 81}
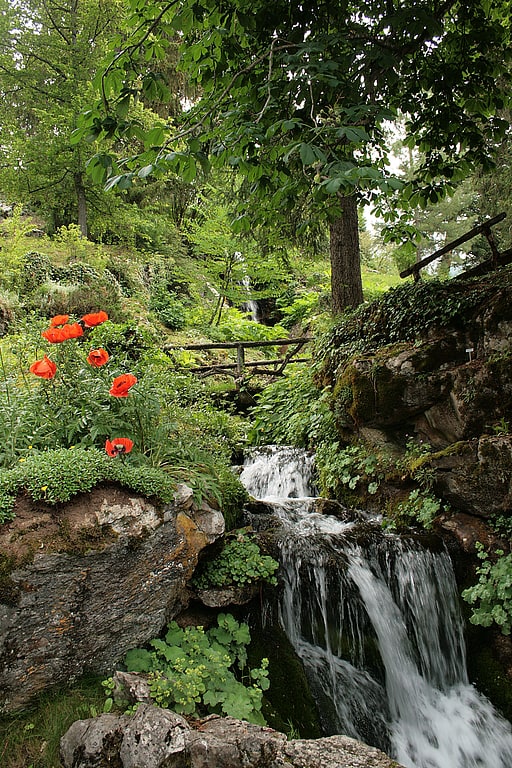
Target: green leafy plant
{"x": 341, "y": 468}
{"x": 196, "y": 671}
{"x": 502, "y": 524}
{"x": 492, "y": 594}
{"x": 502, "y": 427}
{"x": 420, "y": 507}
{"x": 55, "y": 476}
{"x": 292, "y": 411}
{"x": 240, "y": 562}
{"x": 404, "y": 313}
{"x": 167, "y": 307}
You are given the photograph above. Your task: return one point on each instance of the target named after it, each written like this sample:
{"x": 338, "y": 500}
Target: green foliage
{"x": 420, "y": 507}
{"x": 47, "y": 66}
{"x": 68, "y": 290}
{"x": 167, "y": 308}
{"x": 292, "y": 411}
{"x": 502, "y": 524}
{"x": 56, "y": 476}
{"x": 232, "y": 493}
{"x": 342, "y": 468}
{"x": 128, "y": 340}
{"x": 416, "y": 462}
{"x": 31, "y": 736}
{"x": 239, "y": 562}
{"x": 492, "y": 594}
{"x": 151, "y": 482}
{"x": 194, "y": 671}
{"x": 234, "y": 326}
{"x": 264, "y": 124}
{"x": 303, "y": 308}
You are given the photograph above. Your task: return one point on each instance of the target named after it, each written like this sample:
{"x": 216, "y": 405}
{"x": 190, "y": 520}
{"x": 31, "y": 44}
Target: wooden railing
{"x": 497, "y": 259}
{"x": 238, "y": 369}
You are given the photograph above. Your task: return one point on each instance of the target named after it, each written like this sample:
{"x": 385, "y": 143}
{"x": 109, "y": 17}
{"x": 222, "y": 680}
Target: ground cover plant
{"x": 197, "y": 671}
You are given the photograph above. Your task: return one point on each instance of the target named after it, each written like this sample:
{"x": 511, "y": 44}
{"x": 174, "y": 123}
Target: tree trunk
{"x": 81, "y": 203}
{"x": 346, "y": 284}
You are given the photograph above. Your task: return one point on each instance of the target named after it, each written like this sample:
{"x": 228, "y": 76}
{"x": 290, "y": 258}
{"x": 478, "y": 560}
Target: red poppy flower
{"x": 67, "y": 331}
{"x": 54, "y": 335}
{"x": 73, "y": 330}
{"x": 44, "y": 368}
{"x": 95, "y": 318}
{"x": 59, "y": 320}
{"x": 118, "y": 446}
{"x": 97, "y": 357}
{"x": 122, "y": 384}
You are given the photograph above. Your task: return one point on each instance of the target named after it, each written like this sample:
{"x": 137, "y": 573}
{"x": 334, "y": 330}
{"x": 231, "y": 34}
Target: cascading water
{"x": 251, "y": 305}
{"x": 375, "y": 619}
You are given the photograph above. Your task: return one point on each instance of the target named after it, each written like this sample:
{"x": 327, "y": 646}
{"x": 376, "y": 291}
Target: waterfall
{"x": 375, "y": 619}
{"x": 251, "y": 305}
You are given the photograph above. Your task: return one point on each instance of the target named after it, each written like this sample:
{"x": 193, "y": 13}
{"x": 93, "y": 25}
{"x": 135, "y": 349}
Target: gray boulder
{"x": 159, "y": 738}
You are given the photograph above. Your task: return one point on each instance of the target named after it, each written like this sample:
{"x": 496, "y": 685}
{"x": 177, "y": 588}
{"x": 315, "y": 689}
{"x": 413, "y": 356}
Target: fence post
{"x": 240, "y": 364}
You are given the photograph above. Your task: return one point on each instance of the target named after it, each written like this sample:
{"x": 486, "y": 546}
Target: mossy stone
{"x": 289, "y": 704}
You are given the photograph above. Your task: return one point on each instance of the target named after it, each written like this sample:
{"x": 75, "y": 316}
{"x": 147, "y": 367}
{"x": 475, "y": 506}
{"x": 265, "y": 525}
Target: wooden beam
{"x": 480, "y": 229}
{"x": 236, "y": 344}
{"x": 250, "y": 364}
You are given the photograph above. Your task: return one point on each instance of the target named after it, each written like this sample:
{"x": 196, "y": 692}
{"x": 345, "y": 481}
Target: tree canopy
{"x": 295, "y": 96}
{"x": 48, "y": 53}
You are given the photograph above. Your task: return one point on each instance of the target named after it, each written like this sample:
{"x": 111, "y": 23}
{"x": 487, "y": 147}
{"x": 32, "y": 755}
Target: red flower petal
{"x": 44, "y": 368}
{"x": 59, "y": 320}
{"x": 67, "y": 331}
{"x": 94, "y": 318}
{"x": 73, "y": 330}
{"x": 122, "y": 384}
{"x": 97, "y": 357}
{"x": 118, "y": 446}
{"x": 54, "y": 335}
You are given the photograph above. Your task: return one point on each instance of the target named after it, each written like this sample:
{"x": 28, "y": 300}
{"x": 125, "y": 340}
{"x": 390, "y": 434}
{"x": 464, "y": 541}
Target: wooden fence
{"x": 238, "y": 369}
{"x": 497, "y": 259}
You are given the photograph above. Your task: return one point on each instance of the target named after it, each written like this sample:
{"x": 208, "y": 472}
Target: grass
{"x": 31, "y": 737}
{"x": 375, "y": 283}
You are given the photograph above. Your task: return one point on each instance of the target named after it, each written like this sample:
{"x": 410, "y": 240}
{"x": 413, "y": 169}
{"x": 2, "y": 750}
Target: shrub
{"x": 167, "y": 307}
{"x": 55, "y": 476}
{"x": 194, "y": 671}
{"x": 240, "y": 562}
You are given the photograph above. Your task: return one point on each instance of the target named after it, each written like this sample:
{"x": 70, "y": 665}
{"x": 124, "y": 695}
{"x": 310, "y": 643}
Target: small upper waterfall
{"x": 375, "y": 619}
{"x": 251, "y": 305}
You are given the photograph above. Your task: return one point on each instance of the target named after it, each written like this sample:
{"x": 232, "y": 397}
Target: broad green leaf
{"x": 307, "y": 154}
{"x": 145, "y": 171}
{"x": 155, "y": 137}
{"x": 138, "y": 660}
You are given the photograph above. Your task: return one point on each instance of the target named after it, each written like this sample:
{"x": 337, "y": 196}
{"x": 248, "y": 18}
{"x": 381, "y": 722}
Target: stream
{"x": 375, "y": 619}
